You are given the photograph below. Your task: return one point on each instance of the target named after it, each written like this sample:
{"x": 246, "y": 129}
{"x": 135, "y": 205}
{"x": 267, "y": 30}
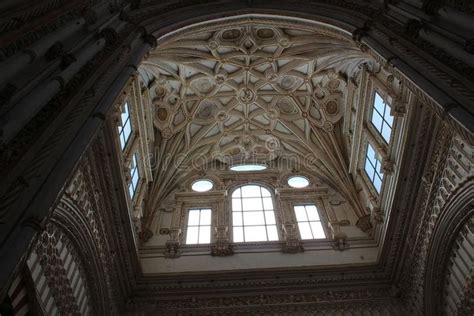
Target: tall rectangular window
{"x": 135, "y": 176}
{"x": 381, "y": 118}
{"x": 373, "y": 167}
{"x": 253, "y": 218}
{"x": 125, "y": 128}
{"x": 309, "y": 223}
{"x": 199, "y": 226}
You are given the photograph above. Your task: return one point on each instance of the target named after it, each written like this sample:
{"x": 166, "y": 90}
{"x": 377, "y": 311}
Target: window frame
{"x": 133, "y": 171}
{"x": 275, "y": 214}
{"x": 186, "y": 225}
{"x": 309, "y": 221}
{"x": 384, "y": 123}
{"x": 376, "y": 172}
{"x": 319, "y": 202}
{"x": 121, "y": 126}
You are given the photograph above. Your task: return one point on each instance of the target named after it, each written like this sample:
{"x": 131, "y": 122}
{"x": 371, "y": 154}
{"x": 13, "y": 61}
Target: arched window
{"x": 253, "y": 218}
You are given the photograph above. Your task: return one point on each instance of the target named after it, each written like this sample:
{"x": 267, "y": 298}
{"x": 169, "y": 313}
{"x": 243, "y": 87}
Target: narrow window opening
{"x": 135, "y": 176}
{"x": 309, "y": 222}
{"x": 125, "y": 128}
{"x": 373, "y": 168}
{"x": 381, "y": 118}
{"x": 199, "y": 226}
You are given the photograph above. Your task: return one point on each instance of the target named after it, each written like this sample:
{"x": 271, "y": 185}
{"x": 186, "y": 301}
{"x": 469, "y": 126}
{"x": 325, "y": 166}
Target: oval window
{"x": 248, "y": 167}
{"x": 298, "y": 182}
{"x": 202, "y": 185}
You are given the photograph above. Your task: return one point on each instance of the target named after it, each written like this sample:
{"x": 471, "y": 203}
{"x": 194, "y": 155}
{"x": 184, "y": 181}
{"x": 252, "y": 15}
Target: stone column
{"x": 292, "y": 243}
{"x": 222, "y": 246}
{"x": 174, "y": 243}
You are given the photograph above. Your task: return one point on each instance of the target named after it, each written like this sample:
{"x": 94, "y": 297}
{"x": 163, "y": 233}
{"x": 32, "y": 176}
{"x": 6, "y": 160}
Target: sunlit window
{"x": 248, "y": 167}
{"x": 125, "y": 128}
{"x": 202, "y": 185}
{"x": 253, "y": 217}
{"x": 381, "y": 118}
{"x": 135, "y": 176}
{"x": 298, "y": 182}
{"x": 373, "y": 167}
{"x": 309, "y": 223}
{"x": 199, "y": 226}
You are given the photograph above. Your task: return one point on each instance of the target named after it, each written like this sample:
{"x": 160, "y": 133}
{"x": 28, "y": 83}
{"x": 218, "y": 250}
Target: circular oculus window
{"x": 248, "y": 167}
{"x": 202, "y": 185}
{"x": 298, "y": 182}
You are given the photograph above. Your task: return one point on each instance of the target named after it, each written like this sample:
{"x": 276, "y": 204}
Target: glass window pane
{"x": 369, "y": 169}
{"x": 236, "y": 193}
{"x": 251, "y": 191}
{"x": 305, "y": 230}
{"x": 122, "y": 142}
{"x": 378, "y": 103}
{"x": 254, "y": 218}
{"x": 386, "y": 133}
{"x": 124, "y": 117}
{"x": 265, "y": 192}
{"x": 202, "y": 185}
{"x": 238, "y": 234}
{"x": 377, "y": 183}
{"x": 370, "y": 152}
{"x": 192, "y": 235}
{"x": 269, "y": 217}
{"x": 298, "y": 182}
{"x": 252, "y": 204}
{"x": 204, "y": 234}
{"x": 127, "y": 130}
{"x": 312, "y": 212}
{"x": 205, "y": 217}
{"x": 272, "y": 232}
{"x": 236, "y": 205}
{"x": 193, "y": 217}
{"x": 377, "y": 121}
{"x": 135, "y": 178}
{"x": 318, "y": 231}
{"x": 300, "y": 213}
{"x": 255, "y": 233}
{"x": 388, "y": 117}
{"x": 237, "y": 218}
{"x": 267, "y": 203}
{"x": 131, "y": 191}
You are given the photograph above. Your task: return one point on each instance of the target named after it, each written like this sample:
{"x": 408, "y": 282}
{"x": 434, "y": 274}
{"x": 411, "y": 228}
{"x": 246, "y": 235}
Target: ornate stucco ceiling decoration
{"x": 253, "y": 90}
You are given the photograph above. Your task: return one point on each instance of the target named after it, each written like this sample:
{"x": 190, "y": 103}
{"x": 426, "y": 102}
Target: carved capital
{"x": 145, "y": 234}
{"x": 222, "y": 248}
{"x": 364, "y": 224}
{"x": 293, "y": 246}
{"x": 378, "y": 215}
{"x": 172, "y": 249}
{"x": 388, "y": 166}
{"x": 340, "y": 242}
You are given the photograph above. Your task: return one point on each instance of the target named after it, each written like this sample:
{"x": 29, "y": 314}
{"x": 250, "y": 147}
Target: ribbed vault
{"x": 254, "y": 90}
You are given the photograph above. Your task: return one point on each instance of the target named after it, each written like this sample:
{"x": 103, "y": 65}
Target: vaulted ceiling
{"x": 254, "y": 91}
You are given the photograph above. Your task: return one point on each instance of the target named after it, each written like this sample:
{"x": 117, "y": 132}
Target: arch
{"x": 72, "y": 221}
{"x": 457, "y": 211}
